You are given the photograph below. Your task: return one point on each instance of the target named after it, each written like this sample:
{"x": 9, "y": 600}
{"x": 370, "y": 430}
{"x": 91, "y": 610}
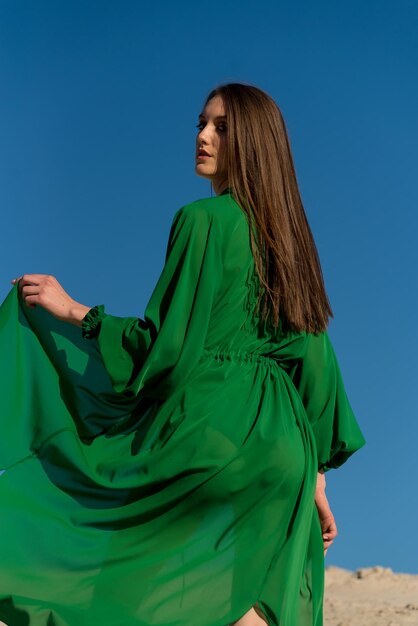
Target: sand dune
{"x": 371, "y": 596}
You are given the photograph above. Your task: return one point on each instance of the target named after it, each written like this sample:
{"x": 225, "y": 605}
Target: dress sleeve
{"x": 318, "y": 379}
{"x": 153, "y": 356}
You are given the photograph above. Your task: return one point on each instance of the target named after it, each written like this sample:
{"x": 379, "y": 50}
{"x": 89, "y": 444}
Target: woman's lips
{"x": 203, "y": 156}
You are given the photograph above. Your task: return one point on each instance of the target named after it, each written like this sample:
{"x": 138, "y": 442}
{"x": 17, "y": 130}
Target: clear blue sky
{"x": 98, "y": 106}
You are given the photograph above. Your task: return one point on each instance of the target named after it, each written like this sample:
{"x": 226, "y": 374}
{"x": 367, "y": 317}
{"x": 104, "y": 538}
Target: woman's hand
{"x": 46, "y": 291}
{"x": 326, "y": 518}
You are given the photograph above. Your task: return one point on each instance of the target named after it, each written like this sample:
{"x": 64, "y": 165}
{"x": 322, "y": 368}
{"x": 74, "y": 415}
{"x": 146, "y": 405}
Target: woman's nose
{"x": 203, "y": 137}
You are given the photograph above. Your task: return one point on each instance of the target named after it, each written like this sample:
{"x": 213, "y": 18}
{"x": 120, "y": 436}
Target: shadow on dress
{"x": 11, "y": 616}
{"x": 90, "y": 409}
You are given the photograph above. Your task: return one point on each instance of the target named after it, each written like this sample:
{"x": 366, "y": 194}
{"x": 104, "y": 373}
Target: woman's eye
{"x": 221, "y": 127}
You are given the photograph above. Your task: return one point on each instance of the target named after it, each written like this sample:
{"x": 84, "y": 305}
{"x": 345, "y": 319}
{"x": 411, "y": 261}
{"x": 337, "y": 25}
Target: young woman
{"x": 183, "y": 482}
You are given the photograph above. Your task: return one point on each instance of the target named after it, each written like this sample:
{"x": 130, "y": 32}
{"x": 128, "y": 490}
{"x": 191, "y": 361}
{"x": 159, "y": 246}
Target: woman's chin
{"x": 200, "y": 171}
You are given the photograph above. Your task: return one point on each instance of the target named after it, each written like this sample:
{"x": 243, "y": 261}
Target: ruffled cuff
{"x": 90, "y": 324}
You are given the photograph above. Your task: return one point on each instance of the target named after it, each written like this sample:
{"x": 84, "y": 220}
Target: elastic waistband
{"x": 238, "y": 355}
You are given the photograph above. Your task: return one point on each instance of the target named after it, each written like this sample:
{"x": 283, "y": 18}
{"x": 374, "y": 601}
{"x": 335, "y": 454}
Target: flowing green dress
{"x": 161, "y": 471}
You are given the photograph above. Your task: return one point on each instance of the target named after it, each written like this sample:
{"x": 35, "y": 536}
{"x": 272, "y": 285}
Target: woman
{"x": 192, "y": 490}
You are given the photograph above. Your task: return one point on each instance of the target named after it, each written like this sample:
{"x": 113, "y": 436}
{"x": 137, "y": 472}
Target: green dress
{"x": 161, "y": 471}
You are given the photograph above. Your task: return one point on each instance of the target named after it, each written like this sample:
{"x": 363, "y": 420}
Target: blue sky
{"x": 98, "y": 107}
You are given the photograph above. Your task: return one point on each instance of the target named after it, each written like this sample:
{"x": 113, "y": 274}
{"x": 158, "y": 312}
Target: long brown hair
{"x": 262, "y": 178}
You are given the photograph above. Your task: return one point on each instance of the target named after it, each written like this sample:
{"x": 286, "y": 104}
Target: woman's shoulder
{"x": 220, "y": 206}
{"x": 223, "y": 209}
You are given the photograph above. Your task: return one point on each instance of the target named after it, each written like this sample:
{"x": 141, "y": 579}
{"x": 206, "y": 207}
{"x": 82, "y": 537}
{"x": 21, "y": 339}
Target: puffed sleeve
{"x": 318, "y": 379}
{"x": 152, "y": 356}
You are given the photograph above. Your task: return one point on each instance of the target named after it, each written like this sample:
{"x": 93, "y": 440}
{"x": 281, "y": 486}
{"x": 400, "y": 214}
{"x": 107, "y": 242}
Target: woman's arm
{"x": 319, "y": 382}
{"x": 326, "y": 518}
{"x": 155, "y": 355}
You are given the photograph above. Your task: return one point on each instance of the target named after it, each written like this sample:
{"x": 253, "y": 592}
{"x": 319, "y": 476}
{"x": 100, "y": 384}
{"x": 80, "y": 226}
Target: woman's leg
{"x": 251, "y": 618}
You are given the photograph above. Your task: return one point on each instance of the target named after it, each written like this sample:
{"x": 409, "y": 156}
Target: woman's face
{"x": 211, "y": 157}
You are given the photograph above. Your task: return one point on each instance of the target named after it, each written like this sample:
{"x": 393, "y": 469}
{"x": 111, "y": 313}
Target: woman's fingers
{"x": 19, "y": 280}
{"x": 330, "y": 531}
{"x": 30, "y": 294}
{"x": 38, "y": 289}
{"x": 31, "y": 284}
{"x": 327, "y": 544}
{"x": 29, "y": 303}
{"x": 327, "y": 521}
{"x": 14, "y": 281}
{"x": 34, "y": 279}
{"x": 29, "y": 290}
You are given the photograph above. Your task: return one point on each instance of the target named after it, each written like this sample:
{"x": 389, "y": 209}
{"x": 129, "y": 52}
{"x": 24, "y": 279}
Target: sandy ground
{"x": 372, "y": 596}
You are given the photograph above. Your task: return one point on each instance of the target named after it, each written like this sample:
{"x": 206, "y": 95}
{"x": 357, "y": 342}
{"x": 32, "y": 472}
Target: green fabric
{"x": 162, "y": 471}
